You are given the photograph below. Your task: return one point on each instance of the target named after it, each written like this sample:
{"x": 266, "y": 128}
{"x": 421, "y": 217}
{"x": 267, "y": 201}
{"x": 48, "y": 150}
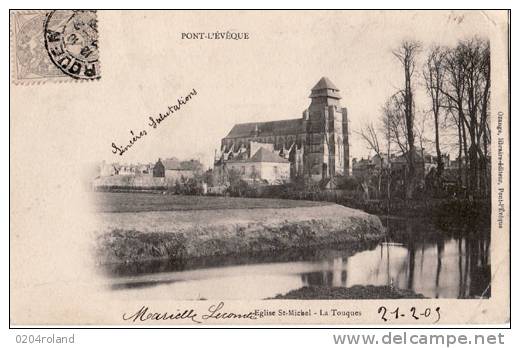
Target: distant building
{"x": 158, "y": 169}
{"x": 316, "y": 145}
{"x": 423, "y": 161}
{"x": 400, "y": 163}
{"x": 362, "y": 167}
{"x": 445, "y": 160}
{"x": 381, "y": 161}
{"x": 125, "y": 169}
{"x": 458, "y": 162}
{"x": 108, "y": 169}
{"x": 370, "y": 165}
{"x": 143, "y": 169}
{"x": 132, "y": 169}
{"x": 174, "y": 169}
{"x": 265, "y": 165}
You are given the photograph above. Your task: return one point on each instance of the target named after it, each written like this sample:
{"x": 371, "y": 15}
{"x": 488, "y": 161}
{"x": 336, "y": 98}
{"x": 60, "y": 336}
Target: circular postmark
{"x": 71, "y": 40}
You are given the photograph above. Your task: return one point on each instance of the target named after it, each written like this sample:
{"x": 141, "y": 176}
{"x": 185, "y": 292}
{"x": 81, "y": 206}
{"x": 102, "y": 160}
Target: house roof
{"x": 282, "y": 127}
{"x": 190, "y": 165}
{"x": 417, "y": 156}
{"x": 174, "y": 164}
{"x": 171, "y": 163}
{"x": 264, "y": 155}
{"x": 362, "y": 163}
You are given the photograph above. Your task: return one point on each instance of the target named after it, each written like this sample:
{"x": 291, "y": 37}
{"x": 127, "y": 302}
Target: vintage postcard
{"x": 259, "y": 167}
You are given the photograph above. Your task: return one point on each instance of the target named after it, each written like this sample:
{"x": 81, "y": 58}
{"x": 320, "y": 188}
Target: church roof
{"x": 325, "y": 88}
{"x": 264, "y": 155}
{"x": 283, "y": 127}
{"x": 324, "y": 83}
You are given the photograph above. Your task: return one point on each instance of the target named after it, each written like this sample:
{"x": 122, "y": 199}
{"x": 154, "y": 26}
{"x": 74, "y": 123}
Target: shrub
{"x": 350, "y": 183}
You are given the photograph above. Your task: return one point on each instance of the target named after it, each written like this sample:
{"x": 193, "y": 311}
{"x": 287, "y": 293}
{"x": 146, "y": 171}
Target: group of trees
{"x": 455, "y": 82}
{"x": 188, "y": 186}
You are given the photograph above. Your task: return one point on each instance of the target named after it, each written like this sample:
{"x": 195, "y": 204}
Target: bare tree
{"x": 369, "y": 135}
{"x": 484, "y": 129}
{"x": 420, "y": 135}
{"x": 454, "y": 89}
{"x": 388, "y": 138}
{"x": 434, "y": 76}
{"x": 468, "y": 91}
{"x": 394, "y": 122}
{"x": 406, "y": 54}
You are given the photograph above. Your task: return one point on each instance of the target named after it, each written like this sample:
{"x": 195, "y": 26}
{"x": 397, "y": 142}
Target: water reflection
{"x": 447, "y": 269}
{"x": 414, "y": 256}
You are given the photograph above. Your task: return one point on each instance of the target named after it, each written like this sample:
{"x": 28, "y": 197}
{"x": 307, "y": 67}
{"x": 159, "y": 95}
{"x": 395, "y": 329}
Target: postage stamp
{"x": 53, "y": 46}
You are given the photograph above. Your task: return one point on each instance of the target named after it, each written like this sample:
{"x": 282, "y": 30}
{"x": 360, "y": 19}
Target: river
{"x": 416, "y": 255}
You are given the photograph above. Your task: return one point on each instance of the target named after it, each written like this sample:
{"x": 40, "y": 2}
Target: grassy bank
{"x": 180, "y": 234}
{"x": 135, "y": 269}
{"x": 356, "y": 292}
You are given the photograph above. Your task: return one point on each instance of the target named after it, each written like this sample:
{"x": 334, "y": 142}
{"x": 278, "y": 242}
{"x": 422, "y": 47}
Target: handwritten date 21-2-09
{"x": 413, "y": 312}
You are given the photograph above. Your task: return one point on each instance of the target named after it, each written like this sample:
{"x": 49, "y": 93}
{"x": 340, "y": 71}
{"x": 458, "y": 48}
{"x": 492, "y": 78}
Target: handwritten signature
{"x": 154, "y": 122}
{"x": 144, "y": 314}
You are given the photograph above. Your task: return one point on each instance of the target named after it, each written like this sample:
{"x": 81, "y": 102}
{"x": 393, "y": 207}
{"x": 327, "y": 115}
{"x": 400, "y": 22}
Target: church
{"x": 314, "y": 146}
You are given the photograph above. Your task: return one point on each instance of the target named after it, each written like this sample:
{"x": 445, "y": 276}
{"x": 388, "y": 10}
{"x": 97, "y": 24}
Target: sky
{"x": 146, "y": 66}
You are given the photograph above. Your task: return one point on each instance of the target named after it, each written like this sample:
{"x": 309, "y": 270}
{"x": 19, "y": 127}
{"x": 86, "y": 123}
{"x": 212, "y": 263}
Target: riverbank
{"x": 179, "y": 234}
{"x": 356, "y": 292}
{"x": 424, "y": 205}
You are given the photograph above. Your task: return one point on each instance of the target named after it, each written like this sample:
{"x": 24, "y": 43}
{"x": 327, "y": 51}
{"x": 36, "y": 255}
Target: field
{"x": 122, "y": 202}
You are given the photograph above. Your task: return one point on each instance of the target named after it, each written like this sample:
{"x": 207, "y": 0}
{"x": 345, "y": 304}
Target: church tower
{"x": 326, "y": 123}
